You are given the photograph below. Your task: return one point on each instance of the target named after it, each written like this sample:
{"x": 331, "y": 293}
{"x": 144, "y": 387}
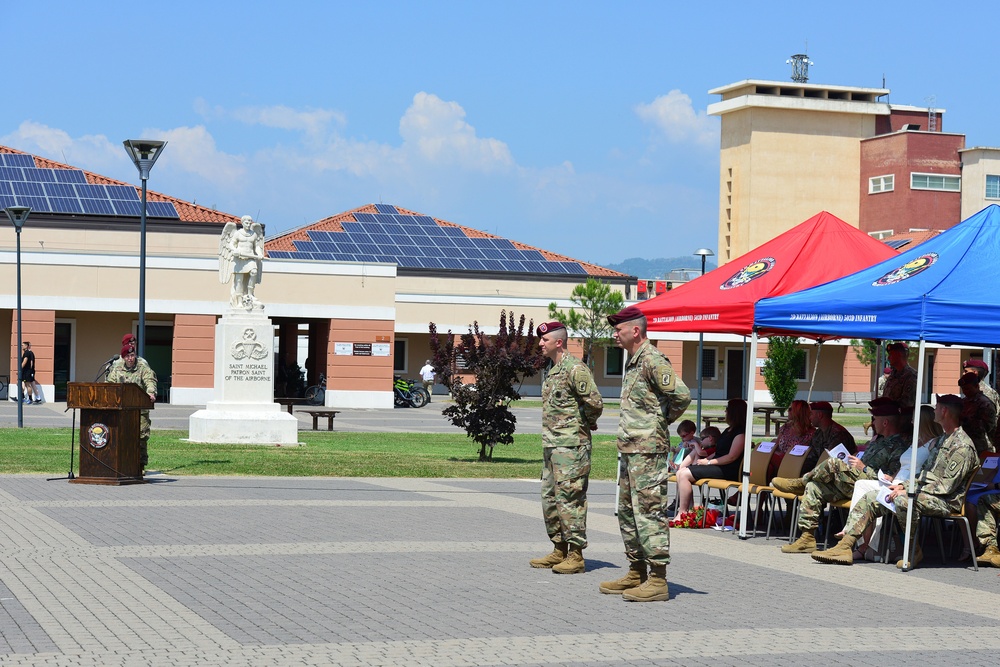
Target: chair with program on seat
{"x": 791, "y": 467}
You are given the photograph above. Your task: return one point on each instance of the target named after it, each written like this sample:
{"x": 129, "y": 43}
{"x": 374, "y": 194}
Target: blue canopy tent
{"x": 944, "y": 290}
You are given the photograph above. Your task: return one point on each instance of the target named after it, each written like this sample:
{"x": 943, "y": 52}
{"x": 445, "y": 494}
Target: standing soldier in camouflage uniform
{"x": 131, "y": 368}
{"x": 571, "y": 406}
{"x": 901, "y": 386}
{"x": 648, "y": 392}
{"x": 979, "y": 416}
{"x": 834, "y": 479}
{"x": 940, "y": 487}
{"x": 982, "y": 371}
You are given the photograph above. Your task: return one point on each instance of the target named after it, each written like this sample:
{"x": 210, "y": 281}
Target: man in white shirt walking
{"x": 427, "y": 375}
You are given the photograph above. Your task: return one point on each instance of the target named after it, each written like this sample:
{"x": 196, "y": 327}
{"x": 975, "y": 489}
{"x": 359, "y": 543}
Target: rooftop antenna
{"x": 931, "y": 114}
{"x": 800, "y": 67}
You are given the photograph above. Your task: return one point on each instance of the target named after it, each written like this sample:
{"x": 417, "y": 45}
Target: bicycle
{"x": 316, "y": 394}
{"x": 408, "y": 393}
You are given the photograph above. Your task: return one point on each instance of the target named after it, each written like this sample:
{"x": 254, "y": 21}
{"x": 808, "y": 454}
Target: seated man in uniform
{"x": 834, "y": 479}
{"x": 940, "y": 487}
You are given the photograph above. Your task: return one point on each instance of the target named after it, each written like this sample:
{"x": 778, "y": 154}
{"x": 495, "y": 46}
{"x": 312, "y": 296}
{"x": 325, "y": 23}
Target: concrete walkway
{"x": 387, "y": 572}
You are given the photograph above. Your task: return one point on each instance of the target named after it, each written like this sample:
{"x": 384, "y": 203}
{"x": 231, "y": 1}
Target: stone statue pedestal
{"x": 244, "y": 411}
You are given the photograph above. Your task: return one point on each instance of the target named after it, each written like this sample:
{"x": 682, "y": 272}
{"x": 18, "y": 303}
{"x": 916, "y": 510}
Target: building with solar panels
{"x": 351, "y": 296}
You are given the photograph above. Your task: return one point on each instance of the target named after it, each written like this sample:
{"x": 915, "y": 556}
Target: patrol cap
{"x": 949, "y": 399}
{"x": 821, "y": 405}
{"x": 897, "y": 347}
{"x": 549, "y": 327}
{"x": 975, "y": 363}
{"x": 626, "y": 314}
{"x": 883, "y": 407}
{"x": 968, "y": 378}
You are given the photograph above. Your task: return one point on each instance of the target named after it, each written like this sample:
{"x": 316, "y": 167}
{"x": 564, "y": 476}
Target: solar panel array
{"x": 896, "y": 244}
{"x": 417, "y": 241}
{"x": 67, "y": 191}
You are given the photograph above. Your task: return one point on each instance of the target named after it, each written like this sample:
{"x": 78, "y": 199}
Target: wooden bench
{"x": 713, "y": 419}
{"x": 316, "y": 413}
{"x": 841, "y": 397}
{"x": 289, "y": 402}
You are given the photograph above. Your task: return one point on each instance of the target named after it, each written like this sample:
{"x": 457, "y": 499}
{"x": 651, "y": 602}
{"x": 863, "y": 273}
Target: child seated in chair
{"x": 689, "y": 446}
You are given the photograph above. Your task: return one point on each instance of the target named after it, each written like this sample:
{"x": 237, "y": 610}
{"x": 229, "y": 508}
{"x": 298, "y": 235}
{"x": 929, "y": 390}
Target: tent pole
{"x": 812, "y": 380}
{"x": 911, "y": 486}
{"x": 748, "y": 442}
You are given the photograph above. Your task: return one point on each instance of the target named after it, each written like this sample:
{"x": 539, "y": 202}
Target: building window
{"x": 935, "y": 182}
{"x": 614, "y": 361}
{"x": 802, "y": 370}
{"x": 992, "y": 187}
{"x": 709, "y": 356}
{"x": 881, "y": 184}
{"x": 399, "y": 356}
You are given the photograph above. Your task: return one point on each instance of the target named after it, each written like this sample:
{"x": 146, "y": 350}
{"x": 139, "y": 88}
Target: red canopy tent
{"x": 821, "y": 249}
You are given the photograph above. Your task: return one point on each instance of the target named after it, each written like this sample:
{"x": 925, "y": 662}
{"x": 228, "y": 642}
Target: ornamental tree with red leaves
{"x": 500, "y": 364}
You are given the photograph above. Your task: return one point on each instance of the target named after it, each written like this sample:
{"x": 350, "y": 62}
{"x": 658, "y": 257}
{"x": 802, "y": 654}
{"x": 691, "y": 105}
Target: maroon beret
{"x": 548, "y": 327}
{"x": 821, "y": 405}
{"x": 128, "y": 339}
{"x": 975, "y": 363}
{"x": 128, "y": 349}
{"x": 968, "y": 378}
{"x": 897, "y": 347}
{"x": 626, "y": 314}
{"x": 883, "y": 407}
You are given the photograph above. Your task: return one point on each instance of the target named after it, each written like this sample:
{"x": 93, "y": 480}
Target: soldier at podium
{"x": 131, "y": 368}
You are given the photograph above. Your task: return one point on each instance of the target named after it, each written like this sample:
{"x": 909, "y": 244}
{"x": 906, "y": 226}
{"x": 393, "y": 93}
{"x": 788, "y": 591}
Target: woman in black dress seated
{"x": 725, "y": 464}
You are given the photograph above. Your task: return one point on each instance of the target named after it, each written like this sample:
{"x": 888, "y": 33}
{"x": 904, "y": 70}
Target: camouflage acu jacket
{"x": 883, "y": 454}
{"x": 647, "y": 392}
{"x": 141, "y": 375}
{"x": 902, "y": 388}
{"x": 571, "y": 404}
{"x": 946, "y": 471}
{"x": 979, "y": 420}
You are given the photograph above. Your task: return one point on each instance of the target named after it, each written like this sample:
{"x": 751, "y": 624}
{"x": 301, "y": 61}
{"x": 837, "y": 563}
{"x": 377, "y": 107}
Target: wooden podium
{"x": 109, "y": 431}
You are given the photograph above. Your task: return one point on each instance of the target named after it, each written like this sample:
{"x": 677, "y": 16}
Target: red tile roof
{"x": 285, "y": 241}
{"x": 187, "y": 211}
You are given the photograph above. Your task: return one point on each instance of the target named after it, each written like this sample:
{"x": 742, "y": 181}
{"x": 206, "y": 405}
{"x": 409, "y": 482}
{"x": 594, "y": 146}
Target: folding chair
{"x": 791, "y": 467}
{"x": 960, "y": 516}
{"x": 760, "y": 459}
{"x": 705, "y": 485}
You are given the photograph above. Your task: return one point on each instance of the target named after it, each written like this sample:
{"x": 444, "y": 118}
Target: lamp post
{"x": 18, "y": 215}
{"x": 144, "y": 153}
{"x": 703, "y": 252}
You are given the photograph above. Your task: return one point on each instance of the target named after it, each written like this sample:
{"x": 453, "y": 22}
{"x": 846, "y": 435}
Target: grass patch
{"x": 46, "y": 451}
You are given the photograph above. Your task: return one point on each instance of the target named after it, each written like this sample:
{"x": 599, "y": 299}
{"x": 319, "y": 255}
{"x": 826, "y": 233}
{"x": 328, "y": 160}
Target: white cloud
{"x": 93, "y": 150}
{"x": 438, "y": 133}
{"x": 193, "y": 150}
{"x": 674, "y": 115}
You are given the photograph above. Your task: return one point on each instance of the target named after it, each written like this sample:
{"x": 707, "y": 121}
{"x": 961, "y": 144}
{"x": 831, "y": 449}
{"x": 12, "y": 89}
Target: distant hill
{"x": 658, "y": 268}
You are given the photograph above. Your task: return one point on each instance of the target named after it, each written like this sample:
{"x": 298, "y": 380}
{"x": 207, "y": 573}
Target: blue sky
{"x": 579, "y": 127}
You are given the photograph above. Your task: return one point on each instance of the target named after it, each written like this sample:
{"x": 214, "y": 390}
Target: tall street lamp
{"x": 144, "y": 153}
{"x": 704, "y": 253}
{"x": 18, "y": 215}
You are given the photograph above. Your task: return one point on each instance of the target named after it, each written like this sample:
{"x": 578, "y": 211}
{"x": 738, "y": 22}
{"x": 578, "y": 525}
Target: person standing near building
{"x": 427, "y": 377}
{"x": 134, "y": 369}
{"x": 28, "y": 373}
{"x": 901, "y": 385}
{"x": 571, "y": 406}
{"x": 647, "y": 398}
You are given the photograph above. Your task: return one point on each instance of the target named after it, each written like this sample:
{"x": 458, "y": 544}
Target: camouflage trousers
{"x": 565, "y": 475}
{"x": 868, "y": 509}
{"x": 989, "y": 509}
{"x": 642, "y": 507}
{"x": 831, "y": 480}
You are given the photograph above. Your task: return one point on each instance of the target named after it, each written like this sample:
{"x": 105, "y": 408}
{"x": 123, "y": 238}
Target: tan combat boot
{"x": 918, "y": 555}
{"x": 572, "y": 564}
{"x": 806, "y": 544}
{"x": 635, "y": 576}
{"x": 988, "y": 556}
{"x": 841, "y": 554}
{"x": 789, "y": 485}
{"x": 557, "y": 556}
{"x": 654, "y": 589}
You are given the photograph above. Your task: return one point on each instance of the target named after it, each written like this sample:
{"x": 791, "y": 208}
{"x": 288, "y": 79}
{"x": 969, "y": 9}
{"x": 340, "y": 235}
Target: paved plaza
{"x": 329, "y": 571}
